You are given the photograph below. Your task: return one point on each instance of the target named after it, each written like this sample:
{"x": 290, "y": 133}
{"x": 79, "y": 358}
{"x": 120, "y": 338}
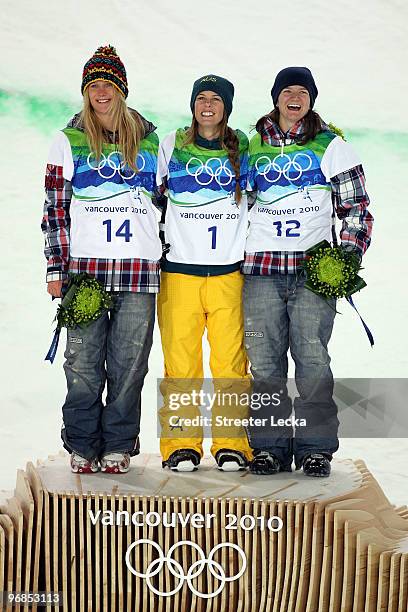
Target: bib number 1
{"x": 213, "y": 231}
{"x": 122, "y": 232}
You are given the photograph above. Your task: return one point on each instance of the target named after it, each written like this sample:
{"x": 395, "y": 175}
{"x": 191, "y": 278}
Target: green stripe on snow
{"x": 48, "y": 114}
{"x": 45, "y": 115}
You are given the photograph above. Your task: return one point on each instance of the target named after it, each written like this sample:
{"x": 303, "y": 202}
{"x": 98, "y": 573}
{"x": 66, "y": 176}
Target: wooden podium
{"x": 342, "y": 546}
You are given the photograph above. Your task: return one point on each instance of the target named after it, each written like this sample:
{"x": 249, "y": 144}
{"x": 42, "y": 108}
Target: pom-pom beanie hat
{"x": 106, "y": 65}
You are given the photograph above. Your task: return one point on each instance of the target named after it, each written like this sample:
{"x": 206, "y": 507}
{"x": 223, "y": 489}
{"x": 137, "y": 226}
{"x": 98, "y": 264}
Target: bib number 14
{"x": 122, "y": 232}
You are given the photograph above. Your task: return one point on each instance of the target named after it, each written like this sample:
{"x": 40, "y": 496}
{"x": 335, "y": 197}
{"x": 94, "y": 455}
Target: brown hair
{"x": 312, "y": 123}
{"x": 127, "y": 127}
{"x": 229, "y": 141}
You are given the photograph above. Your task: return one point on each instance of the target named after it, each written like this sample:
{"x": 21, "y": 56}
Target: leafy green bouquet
{"x": 332, "y": 272}
{"x": 84, "y": 301}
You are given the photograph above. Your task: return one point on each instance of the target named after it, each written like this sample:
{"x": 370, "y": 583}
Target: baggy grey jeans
{"x": 280, "y": 314}
{"x": 112, "y": 350}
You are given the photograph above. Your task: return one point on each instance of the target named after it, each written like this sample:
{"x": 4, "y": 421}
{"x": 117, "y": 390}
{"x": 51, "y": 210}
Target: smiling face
{"x": 208, "y": 110}
{"x": 101, "y": 95}
{"x": 293, "y": 104}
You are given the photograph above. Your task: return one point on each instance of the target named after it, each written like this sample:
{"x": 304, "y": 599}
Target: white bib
{"x": 123, "y": 227}
{"x": 108, "y": 220}
{"x": 204, "y": 225}
{"x": 294, "y": 209}
{"x": 213, "y": 234}
{"x": 293, "y": 224}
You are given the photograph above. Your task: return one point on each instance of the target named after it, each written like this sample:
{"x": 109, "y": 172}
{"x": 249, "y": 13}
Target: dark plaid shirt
{"x": 138, "y": 275}
{"x": 350, "y": 201}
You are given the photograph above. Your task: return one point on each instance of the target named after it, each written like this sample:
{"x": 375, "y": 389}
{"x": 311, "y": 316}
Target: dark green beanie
{"x": 220, "y": 86}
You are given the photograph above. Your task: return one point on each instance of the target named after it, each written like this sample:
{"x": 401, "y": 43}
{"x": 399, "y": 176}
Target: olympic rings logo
{"x": 195, "y": 570}
{"x": 108, "y": 166}
{"x": 293, "y": 163}
{"x": 210, "y": 172}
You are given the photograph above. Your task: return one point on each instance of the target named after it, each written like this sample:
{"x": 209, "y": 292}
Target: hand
{"x": 54, "y": 288}
{"x": 350, "y": 250}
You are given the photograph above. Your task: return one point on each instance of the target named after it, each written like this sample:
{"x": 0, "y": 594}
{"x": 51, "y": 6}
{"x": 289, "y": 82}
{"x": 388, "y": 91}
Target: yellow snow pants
{"x": 187, "y": 305}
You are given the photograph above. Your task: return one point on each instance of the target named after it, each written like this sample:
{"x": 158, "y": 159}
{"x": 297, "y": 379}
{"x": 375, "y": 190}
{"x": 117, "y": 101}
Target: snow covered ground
{"x": 355, "y": 51}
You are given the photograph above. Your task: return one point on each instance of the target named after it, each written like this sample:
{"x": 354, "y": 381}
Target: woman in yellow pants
{"x": 203, "y": 169}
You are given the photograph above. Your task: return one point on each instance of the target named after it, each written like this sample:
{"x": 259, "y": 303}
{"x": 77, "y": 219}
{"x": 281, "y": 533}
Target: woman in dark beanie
{"x": 99, "y": 219}
{"x": 204, "y": 170}
{"x": 302, "y": 175}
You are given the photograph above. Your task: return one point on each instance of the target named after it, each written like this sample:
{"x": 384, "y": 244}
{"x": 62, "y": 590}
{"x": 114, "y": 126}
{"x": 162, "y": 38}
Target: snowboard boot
{"x": 229, "y": 460}
{"x": 183, "y": 460}
{"x": 80, "y": 465}
{"x": 265, "y": 463}
{"x": 115, "y": 463}
{"x": 316, "y": 465}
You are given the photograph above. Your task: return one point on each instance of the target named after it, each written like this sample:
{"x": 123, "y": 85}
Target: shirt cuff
{"x": 56, "y": 275}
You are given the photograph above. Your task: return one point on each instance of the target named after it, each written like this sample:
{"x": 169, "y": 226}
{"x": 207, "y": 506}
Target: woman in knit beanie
{"x": 203, "y": 168}
{"x": 301, "y": 174}
{"x": 99, "y": 220}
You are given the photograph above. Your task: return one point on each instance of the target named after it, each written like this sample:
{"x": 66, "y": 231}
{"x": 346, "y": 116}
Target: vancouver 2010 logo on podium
{"x": 195, "y": 570}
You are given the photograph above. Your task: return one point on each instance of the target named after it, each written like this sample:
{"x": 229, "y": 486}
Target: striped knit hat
{"x": 106, "y": 65}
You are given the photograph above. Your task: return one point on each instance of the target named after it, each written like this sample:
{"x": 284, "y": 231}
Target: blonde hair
{"x": 127, "y": 128}
{"x": 229, "y": 141}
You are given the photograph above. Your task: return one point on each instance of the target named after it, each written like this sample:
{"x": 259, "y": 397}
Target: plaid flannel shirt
{"x": 350, "y": 201}
{"x": 137, "y": 275}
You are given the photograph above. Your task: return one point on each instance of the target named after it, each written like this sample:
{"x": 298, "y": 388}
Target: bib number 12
{"x": 290, "y": 227}
{"x": 122, "y": 232}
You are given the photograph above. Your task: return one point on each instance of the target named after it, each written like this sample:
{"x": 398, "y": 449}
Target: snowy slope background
{"x": 357, "y": 52}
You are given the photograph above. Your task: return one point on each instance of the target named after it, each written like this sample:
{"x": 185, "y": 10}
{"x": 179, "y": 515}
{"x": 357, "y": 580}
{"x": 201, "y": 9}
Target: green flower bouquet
{"x": 84, "y": 301}
{"x": 332, "y": 272}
